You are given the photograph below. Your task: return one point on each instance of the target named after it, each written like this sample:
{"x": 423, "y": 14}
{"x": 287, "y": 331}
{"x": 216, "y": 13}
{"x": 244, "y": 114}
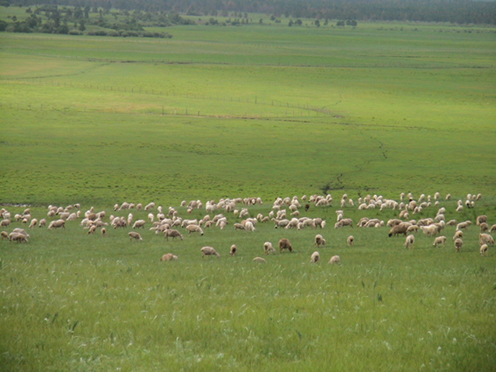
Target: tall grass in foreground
{"x": 73, "y": 301}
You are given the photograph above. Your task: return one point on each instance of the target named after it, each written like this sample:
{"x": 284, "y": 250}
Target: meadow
{"x": 259, "y": 110}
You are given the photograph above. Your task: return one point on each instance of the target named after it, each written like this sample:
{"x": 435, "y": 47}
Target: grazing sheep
{"x": 259, "y": 260}
{"x": 194, "y": 228}
{"x": 5, "y": 235}
{"x": 134, "y": 235}
{"x": 458, "y": 244}
{"x": 209, "y": 251}
{"x": 480, "y": 219}
{"x": 139, "y": 223}
{"x": 413, "y": 229}
{"x": 18, "y": 237}
{"x": 168, "y": 257}
{"x": 238, "y": 226}
{"x": 483, "y": 249}
{"x": 430, "y": 230}
{"x": 440, "y": 240}
{"x": 409, "y": 241}
{"x": 56, "y": 224}
{"x": 42, "y": 222}
{"x": 493, "y": 228}
{"x": 33, "y": 223}
{"x": 319, "y": 240}
{"x": 451, "y": 223}
{"x": 92, "y": 229}
{"x": 458, "y": 234}
{"x": 233, "y": 250}
{"x": 285, "y": 244}
{"x": 268, "y": 248}
{"x": 315, "y": 257}
{"x": 173, "y": 234}
{"x": 4, "y": 223}
{"x": 486, "y": 239}
{"x": 344, "y": 222}
{"x": 463, "y": 225}
{"x": 149, "y": 206}
{"x": 399, "y": 229}
{"x": 484, "y": 227}
{"x": 249, "y": 226}
{"x": 104, "y": 231}
{"x": 350, "y": 240}
{"x": 335, "y": 260}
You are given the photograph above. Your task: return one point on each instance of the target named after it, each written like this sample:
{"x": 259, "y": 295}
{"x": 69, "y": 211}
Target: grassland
{"x": 252, "y": 111}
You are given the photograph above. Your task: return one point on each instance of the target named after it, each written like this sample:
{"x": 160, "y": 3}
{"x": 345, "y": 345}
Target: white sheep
{"x": 344, "y": 222}
{"x": 134, "y": 235}
{"x": 33, "y": 223}
{"x": 233, "y": 250}
{"x": 315, "y": 257}
{"x": 440, "y": 240}
{"x": 194, "y": 229}
{"x": 209, "y": 251}
{"x": 4, "y": 223}
{"x": 335, "y": 260}
{"x": 486, "y": 239}
{"x": 56, "y": 224}
{"x": 173, "y": 234}
{"x": 268, "y": 248}
{"x": 483, "y": 249}
{"x": 249, "y": 226}
{"x": 350, "y": 240}
{"x": 169, "y": 257}
{"x": 139, "y": 223}
{"x": 319, "y": 240}
{"x": 463, "y": 225}
{"x": 458, "y": 244}
{"x": 409, "y": 241}
{"x": 259, "y": 260}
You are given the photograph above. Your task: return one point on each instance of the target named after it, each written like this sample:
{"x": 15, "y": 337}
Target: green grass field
{"x": 268, "y": 111}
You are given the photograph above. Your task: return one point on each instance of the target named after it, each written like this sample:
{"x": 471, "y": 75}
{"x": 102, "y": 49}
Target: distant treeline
{"x": 454, "y": 11}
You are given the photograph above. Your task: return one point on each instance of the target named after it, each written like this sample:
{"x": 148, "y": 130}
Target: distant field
{"x": 292, "y": 109}
{"x": 268, "y": 111}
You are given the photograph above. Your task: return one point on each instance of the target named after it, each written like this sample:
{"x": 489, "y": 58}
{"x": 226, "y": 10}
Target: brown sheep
{"x": 399, "y": 229}
{"x": 285, "y": 244}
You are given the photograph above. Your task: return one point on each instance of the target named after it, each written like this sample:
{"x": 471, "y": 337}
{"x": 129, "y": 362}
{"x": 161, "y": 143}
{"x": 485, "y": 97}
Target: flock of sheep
{"x": 285, "y": 214}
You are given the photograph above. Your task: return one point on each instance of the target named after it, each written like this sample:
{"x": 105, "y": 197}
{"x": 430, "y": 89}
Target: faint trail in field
{"x": 89, "y": 69}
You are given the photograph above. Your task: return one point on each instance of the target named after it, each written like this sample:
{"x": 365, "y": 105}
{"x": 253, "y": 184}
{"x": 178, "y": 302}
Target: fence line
{"x": 189, "y": 96}
{"x": 155, "y": 110}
